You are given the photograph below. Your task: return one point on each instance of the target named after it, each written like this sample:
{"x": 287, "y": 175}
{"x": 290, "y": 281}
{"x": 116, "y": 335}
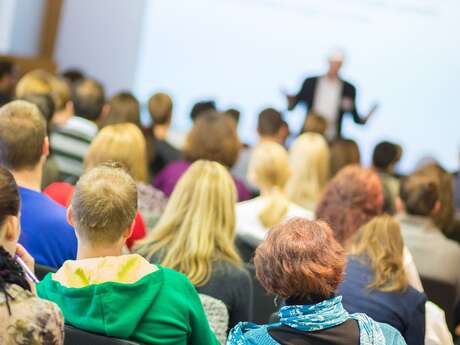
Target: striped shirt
{"x": 69, "y": 145}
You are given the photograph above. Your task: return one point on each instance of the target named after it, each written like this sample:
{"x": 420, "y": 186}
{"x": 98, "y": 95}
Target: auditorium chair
{"x": 444, "y": 295}
{"x": 41, "y": 271}
{"x": 75, "y": 336}
{"x": 263, "y": 303}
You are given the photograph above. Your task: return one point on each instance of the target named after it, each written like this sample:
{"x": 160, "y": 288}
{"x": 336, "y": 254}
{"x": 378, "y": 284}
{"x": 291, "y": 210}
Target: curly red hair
{"x": 351, "y": 199}
{"x": 300, "y": 259}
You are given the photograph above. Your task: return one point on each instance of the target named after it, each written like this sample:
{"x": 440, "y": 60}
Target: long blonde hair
{"x": 380, "y": 241}
{"x": 198, "y": 224}
{"x": 123, "y": 143}
{"x": 309, "y": 158}
{"x": 269, "y": 170}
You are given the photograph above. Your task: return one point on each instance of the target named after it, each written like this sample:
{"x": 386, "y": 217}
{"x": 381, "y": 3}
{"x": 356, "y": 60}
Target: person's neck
{"x": 88, "y": 251}
{"x": 332, "y": 76}
{"x": 30, "y": 179}
{"x": 269, "y": 138}
{"x": 160, "y": 132}
{"x": 61, "y": 117}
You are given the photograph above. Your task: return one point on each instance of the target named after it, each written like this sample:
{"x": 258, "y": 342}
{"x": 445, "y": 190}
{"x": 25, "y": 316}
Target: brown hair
{"x": 270, "y": 122}
{"x": 160, "y": 108}
{"x": 88, "y": 99}
{"x": 22, "y": 134}
{"x": 124, "y": 108}
{"x": 419, "y": 194}
{"x": 213, "y": 137}
{"x": 300, "y": 259}
{"x": 315, "y": 123}
{"x": 343, "y": 152}
{"x": 352, "y": 198}
{"x": 104, "y": 204}
{"x": 381, "y": 243}
{"x": 9, "y": 195}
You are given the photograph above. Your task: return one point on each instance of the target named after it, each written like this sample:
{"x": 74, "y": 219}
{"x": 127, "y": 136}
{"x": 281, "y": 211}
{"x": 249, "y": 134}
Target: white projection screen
{"x": 403, "y": 54}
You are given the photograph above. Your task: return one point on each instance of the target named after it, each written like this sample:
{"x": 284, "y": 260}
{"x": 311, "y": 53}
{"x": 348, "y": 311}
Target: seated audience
{"x": 160, "y": 144}
{"x": 269, "y": 172}
{"x": 36, "y": 82}
{"x": 73, "y": 75}
{"x": 213, "y": 137}
{"x": 7, "y": 81}
{"x": 235, "y": 114}
{"x": 45, "y": 231}
{"x": 196, "y": 235}
{"x": 201, "y": 108}
{"x": 269, "y": 129}
{"x": 384, "y": 159}
{"x": 123, "y": 107}
{"x": 435, "y": 256}
{"x": 315, "y": 123}
{"x": 119, "y": 295}
{"x": 70, "y": 140}
{"x": 301, "y": 262}
{"x": 375, "y": 281}
{"x": 351, "y": 199}
{"x": 309, "y": 158}
{"x": 343, "y": 152}
{"x": 24, "y": 318}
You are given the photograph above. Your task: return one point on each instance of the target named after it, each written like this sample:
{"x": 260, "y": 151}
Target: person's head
{"x": 269, "y": 124}
{"x": 315, "y": 123}
{"x": 343, "y": 152}
{"x": 160, "y": 109}
{"x": 73, "y": 75}
{"x": 88, "y": 99}
{"x": 269, "y": 171}
{"x": 445, "y": 215}
{"x": 419, "y": 194}
{"x": 35, "y": 82}
{"x": 336, "y": 60}
{"x": 45, "y": 104}
{"x": 234, "y": 114}
{"x": 198, "y": 224}
{"x": 61, "y": 96}
{"x": 352, "y": 198}
{"x": 284, "y": 132}
{"x": 9, "y": 211}
{"x": 213, "y": 137}
{"x": 123, "y": 108}
{"x": 201, "y": 108}
{"x": 309, "y": 158}
{"x": 380, "y": 242}
{"x": 103, "y": 207}
{"x": 23, "y": 140}
{"x": 386, "y": 155}
{"x": 300, "y": 260}
{"x": 7, "y": 76}
{"x": 123, "y": 143}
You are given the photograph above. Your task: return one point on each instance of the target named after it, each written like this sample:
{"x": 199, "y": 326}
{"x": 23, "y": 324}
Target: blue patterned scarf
{"x": 315, "y": 317}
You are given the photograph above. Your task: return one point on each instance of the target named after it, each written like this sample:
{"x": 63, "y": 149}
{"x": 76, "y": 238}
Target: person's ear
{"x": 46, "y": 147}
{"x": 11, "y": 229}
{"x": 69, "y": 216}
{"x": 436, "y": 208}
{"x": 104, "y": 113}
{"x": 69, "y": 107}
{"x": 129, "y": 231}
{"x": 399, "y": 205}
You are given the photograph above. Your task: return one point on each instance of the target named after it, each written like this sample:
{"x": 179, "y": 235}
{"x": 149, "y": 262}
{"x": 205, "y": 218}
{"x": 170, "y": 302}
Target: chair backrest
{"x": 444, "y": 295}
{"x": 76, "y": 336}
{"x": 41, "y": 271}
{"x": 263, "y": 303}
{"x": 217, "y": 314}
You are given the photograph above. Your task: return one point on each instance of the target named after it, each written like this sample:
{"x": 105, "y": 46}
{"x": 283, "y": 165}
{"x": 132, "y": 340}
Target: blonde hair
{"x": 198, "y": 224}
{"x": 309, "y": 158}
{"x": 269, "y": 169}
{"x": 381, "y": 242}
{"x": 123, "y": 143}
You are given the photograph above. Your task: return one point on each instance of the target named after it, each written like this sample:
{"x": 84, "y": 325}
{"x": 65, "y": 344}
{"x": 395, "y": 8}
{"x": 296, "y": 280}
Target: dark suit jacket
{"x": 306, "y": 95}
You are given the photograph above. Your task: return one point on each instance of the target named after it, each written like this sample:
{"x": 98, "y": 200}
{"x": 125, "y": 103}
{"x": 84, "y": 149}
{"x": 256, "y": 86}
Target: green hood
{"x": 90, "y": 299}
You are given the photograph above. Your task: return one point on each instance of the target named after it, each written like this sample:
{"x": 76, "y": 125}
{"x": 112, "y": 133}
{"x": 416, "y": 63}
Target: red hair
{"x": 351, "y": 199}
{"x": 300, "y": 259}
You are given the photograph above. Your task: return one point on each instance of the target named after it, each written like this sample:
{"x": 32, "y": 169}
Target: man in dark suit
{"x": 331, "y": 97}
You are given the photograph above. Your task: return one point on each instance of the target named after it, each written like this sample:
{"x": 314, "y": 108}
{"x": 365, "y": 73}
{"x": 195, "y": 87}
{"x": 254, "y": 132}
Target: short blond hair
{"x": 123, "y": 143}
{"x": 104, "y": 204}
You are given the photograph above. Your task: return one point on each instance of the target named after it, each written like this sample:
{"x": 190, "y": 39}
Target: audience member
{"x": 234, "y": 114}
{"x": 343, "y": 152}
{"x": 7, "y": 81}
{"x": 269, "y": 126}
{"x": 73, "y": 75}
{"x": 376, "y": 283}
{"x": 23, "y": 150}
{"x": 119, "y": 295}
{"x": 35, "y": 82}
{"x": 301, "y": 262}
{"x": 196, "y": 236}
{"x": 201, "y": 108}
{"x": 70, "y": 140}
{"x": 435, "y": 256}
{"x": 351, "y": 199}
{"x": 24, "y": 318}
{"x": 309, "y": 158}
{"x": 213, "y": 137}
{"x": 162, "y": 143}
{"x": 63, "y": 102}
{"x": 123, "y": 107}
{"x": 315, "y": 123}
{"x": 268, "y": 171}
{"x": 384, "y": 159}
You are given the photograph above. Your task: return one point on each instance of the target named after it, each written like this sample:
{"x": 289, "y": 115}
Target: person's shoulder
{"x": 391, "y": 335}
{"x": 176, "y": 279}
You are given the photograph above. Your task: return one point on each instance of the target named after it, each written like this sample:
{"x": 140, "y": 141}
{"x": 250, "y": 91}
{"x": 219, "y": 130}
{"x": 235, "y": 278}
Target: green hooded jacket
{"x": 127, "y": 297}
